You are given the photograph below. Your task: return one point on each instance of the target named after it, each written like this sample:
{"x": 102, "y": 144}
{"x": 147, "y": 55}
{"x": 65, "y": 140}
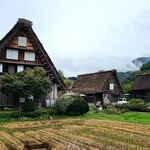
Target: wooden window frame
{"x": 28, "y": 56}
{"x": 111, "y": 86}
{"x": 22, "y": 41}
{"x": 12, "y": 54}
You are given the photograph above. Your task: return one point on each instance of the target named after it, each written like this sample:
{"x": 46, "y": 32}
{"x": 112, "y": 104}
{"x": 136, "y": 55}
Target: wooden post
{"x": 55, "y": 91}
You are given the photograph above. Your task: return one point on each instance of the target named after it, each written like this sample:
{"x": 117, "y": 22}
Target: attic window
{"x": 12, "y": 54}
{"x": 111, "y": 86}
{"x": 22, "y": 41}
{"x": 30, "y": 56}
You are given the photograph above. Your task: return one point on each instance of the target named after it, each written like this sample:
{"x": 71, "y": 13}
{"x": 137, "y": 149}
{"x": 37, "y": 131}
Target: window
{"x": 20, "y": 68}
{"x": 21, "y": 99}
{"x": 12, "y": 54}
{"x": 1, "y": 67}
{"x": 11, "y": 69}
{"x": 5, "y": 67}
{"x": 111, "y": 86}
{"x": 29, "y": 56}
{"x": 22, "y": 41}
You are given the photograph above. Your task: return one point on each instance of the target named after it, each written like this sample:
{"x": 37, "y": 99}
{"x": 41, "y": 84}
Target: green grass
{"x": 134, "y": 117}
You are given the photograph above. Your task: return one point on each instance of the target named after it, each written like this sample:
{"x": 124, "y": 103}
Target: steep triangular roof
{"x": 94, "y": 82}
{"x": 26, "y": 26}
{"x": 142, "y": 82}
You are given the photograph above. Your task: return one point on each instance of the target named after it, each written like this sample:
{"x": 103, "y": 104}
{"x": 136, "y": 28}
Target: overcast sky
{"x": 83, "y": 36}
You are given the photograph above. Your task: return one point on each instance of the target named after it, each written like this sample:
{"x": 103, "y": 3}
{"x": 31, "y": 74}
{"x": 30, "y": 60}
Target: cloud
{"x": 85, "y": 36}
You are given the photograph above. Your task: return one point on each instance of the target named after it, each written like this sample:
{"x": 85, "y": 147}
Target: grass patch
{"x": 46, "y": 114}
{"x": 133, "y": 117}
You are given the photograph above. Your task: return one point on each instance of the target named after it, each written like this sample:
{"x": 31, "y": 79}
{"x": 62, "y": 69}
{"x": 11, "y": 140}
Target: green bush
{"x": 136, "y": 105}
{"x": 16, "y": 114}
{"x": 93, "y": 109}
{"x": 72, "y": 105}
{"x": 28, "y": 106}
{"x": 10, "y": 114}
{"x": 111, "y": 110}
{"x": 34, "y": 114}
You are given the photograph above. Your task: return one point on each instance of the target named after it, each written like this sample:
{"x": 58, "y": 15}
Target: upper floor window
{"x": 12, "y": 54}
{"x": 1, "y": 67}
{"x": 111, "y": 86}
{"x": 29, "y": 56}
{"x": 22, "y": 41}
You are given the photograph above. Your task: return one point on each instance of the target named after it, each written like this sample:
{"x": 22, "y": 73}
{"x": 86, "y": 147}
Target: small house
{"x": 141, "y": 87}
{"x": 103, "y": 86}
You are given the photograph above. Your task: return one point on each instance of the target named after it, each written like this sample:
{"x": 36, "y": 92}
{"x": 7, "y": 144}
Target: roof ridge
{"x": 146, "y": 73}
{"x": 99, "y": 72}
{"x": 25, "y": 21}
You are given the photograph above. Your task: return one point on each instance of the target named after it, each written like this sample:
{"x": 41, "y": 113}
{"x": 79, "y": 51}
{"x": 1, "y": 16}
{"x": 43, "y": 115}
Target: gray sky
{"x": 83, "y": 36}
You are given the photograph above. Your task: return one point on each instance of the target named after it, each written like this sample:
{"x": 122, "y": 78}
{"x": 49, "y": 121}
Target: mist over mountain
{"x": 140, "y": 61}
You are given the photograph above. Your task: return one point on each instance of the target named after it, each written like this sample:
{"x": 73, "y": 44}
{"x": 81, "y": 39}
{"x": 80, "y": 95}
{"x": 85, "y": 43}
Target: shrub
{"x": 93, "y": 109}
{"x": 111, "y": 110}
{"x": 16, "y": 114}
{"x": 72, "y": 105}
{"x": 34, "y": 114}
{"x": 28, "y": 106}
{"x": 136, "y": 105}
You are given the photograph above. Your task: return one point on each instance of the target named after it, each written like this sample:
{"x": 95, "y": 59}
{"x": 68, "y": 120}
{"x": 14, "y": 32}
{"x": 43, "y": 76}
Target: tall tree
{"x": 26, "y": 83}
{"x": 68, "y": 82}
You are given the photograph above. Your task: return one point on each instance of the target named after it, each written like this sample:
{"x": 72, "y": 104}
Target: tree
{"x": 68, "y": 82}
{"x": 72, "y": 105}
{"x": 145, "y": 66}
{"x": 127, "y": 87}
{"x": 61, "y": 74}
{"x": 26, "y": 83}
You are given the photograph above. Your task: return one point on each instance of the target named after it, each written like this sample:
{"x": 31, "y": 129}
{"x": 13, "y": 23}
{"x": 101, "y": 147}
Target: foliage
{"x": 61, "y": 74}
{"x": 28, "y": 106}
{"x": 128, "y": 81}
{"x": 123, "y": 75}
{"x": 72, "y": 105}
{"x": 131, "y": 77}
{"x": 10, "y": 114}
{"x": 145, "y": 66}
{"x": 136, "y": 105}
{"x": 44, "y": 113}
{"x": 127, "y": 87}
{"x": 68, "y": 83}
{"x": 34, "y": 114}
{"x": 110, "y": 109}
{"x": 26, "y": 83}
{"x": 93, "y": 109}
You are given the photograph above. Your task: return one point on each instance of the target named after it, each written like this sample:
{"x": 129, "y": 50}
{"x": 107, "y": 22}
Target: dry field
{"x": 74, "y": 134}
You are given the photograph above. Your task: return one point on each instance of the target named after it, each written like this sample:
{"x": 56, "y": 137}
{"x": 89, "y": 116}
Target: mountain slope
{"x": 140, "y": 61}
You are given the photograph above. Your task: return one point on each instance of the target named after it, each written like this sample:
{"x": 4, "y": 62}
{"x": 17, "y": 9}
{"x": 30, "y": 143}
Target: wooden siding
{"x": 7, "y": 100}
{"x": 20, "y": 58}
{"x": 14, "y": 42}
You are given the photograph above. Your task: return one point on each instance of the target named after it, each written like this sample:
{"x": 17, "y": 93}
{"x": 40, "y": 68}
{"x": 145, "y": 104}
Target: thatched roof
{"x": 142, "y": 82}
{"x": 94, "y": 82}
{"x": 26, "y": 26}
